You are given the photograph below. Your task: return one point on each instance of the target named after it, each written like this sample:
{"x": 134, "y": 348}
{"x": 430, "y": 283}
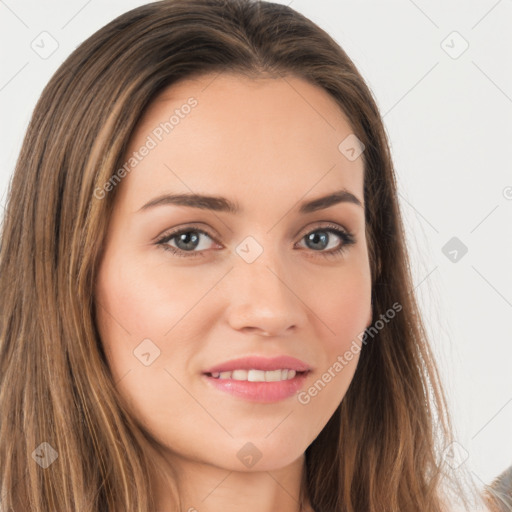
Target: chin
{"x": 262, "y": 455}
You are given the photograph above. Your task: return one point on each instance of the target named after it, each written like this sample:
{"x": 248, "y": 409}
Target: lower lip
{"x": 262, "y": 392}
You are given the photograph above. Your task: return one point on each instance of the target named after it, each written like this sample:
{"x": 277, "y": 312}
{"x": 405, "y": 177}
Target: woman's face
{"x": 264, "y": 282}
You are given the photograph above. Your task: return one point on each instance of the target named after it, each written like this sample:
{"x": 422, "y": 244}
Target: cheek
{"x": 342, "y": 311}
{"x": 349, "y": 317}
{"x": 137, "y": 306}
{"x": 132, "y": 308}
{"x": 343, "y": 304}
{"x": 151, "y": 319}
{"x": 143, "y": 301}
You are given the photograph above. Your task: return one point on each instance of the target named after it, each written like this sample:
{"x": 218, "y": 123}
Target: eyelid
{"x": 322, "y": 224}
{"x": 198, "y": 226}
{"x": 187, "y": 227}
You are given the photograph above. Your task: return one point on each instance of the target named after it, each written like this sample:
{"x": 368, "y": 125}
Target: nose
{"x": 265, "y": 299}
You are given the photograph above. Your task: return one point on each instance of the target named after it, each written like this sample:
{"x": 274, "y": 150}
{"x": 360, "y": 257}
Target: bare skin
{"x": 269, "y": 145}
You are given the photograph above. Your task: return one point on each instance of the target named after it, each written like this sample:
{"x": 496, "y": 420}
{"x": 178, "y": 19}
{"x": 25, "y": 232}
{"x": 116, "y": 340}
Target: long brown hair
{"x": 381, "y": 449}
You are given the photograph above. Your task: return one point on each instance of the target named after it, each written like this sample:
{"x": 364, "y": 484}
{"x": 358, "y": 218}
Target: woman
{"x": 206, "y": 292}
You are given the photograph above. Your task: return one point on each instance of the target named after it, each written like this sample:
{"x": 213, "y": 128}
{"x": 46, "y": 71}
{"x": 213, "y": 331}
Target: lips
{"x": 260, "y": 363}
{"x": 259, "y": 379}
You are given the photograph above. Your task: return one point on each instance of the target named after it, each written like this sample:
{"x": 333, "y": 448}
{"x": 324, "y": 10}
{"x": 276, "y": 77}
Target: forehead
{"x": 229, "y": 131}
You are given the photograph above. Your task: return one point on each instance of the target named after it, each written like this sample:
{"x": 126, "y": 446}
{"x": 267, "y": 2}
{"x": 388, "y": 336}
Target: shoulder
{"x": 498, "y": 495}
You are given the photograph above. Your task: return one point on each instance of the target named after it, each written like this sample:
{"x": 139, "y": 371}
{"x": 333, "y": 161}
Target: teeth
{"x": 256, "y": 375}
{"x": 273, "y": 376}
{"x": 239, "y": 375}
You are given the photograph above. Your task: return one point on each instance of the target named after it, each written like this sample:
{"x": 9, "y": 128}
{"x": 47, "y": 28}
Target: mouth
{"x": 261, "y": 386}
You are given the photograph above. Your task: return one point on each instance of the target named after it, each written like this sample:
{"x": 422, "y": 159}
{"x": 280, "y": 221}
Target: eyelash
{"x": 347, "y": 237}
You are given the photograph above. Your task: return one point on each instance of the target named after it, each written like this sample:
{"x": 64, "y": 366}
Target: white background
{"x": 449, "y": 121}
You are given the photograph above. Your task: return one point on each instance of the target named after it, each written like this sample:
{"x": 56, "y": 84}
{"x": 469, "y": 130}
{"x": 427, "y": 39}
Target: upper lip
{"x": 261, "y": 363}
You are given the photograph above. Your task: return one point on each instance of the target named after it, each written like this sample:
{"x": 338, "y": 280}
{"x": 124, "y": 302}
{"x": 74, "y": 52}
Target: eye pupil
{"x": 315, "y": 237}
{"x": 186, "y": 238}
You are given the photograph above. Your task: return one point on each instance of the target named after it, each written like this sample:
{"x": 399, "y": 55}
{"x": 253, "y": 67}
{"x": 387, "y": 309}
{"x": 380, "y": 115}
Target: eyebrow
{"x": 222, "y": 204}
